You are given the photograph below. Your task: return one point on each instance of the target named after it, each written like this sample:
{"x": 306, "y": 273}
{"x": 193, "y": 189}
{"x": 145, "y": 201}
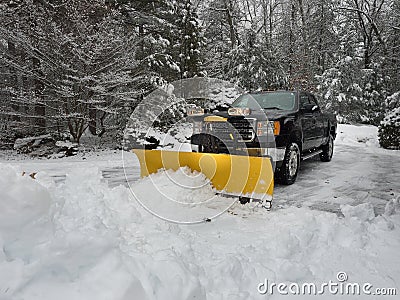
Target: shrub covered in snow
{"x": 353, "y": 92}
{"x": 163, "y": 112}
{"x": 45, "y": 146}
{"x": 389, "y": 130}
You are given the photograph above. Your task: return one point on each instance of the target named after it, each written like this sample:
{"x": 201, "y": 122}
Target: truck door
{"x": 319, "y": 122}
{"x": 307, "y": 122}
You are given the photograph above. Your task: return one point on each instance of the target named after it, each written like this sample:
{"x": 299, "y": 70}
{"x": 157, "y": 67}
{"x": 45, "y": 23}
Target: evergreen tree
{"x": 189, "y": 42}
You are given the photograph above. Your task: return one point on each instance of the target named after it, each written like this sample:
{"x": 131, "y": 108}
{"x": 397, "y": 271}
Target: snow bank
{"x": 96, "y": 247}
{"x": 84, "y": 240}
{"x": 357, "y": 135}
{"x": 33, "y": 141}
{"x": 23, "y": 202}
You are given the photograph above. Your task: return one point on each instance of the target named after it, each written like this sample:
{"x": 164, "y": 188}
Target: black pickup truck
{"x": 287, "y": 126}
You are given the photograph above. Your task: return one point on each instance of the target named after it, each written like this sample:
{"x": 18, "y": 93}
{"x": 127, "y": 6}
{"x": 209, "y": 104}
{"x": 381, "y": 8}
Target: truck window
{"x": 304, "y": 100}
{"x": 268, "y": 100}
{"x": 313, "y": 100}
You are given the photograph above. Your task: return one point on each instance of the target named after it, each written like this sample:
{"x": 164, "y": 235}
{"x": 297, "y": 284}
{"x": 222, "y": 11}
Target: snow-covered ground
{"x": 77, "y": 231}
{"x": 360, "y": 172}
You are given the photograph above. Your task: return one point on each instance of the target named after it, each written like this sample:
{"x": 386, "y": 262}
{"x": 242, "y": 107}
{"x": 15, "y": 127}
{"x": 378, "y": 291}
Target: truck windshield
{"x": 273, "y": 101}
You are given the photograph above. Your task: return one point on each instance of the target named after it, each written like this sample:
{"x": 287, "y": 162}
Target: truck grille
{"x": 223, "y": 130}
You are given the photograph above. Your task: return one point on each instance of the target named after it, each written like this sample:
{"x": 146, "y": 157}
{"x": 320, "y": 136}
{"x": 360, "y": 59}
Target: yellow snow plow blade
{"x": 246, "y": 176}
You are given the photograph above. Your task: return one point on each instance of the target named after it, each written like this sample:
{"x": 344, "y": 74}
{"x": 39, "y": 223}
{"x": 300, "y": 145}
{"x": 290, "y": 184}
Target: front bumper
{"x": 276, "y": 154}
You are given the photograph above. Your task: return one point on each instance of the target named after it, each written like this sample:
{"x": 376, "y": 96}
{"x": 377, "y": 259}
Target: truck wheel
{"x": 327, "y": 150}
{"x": 290, "y": 166}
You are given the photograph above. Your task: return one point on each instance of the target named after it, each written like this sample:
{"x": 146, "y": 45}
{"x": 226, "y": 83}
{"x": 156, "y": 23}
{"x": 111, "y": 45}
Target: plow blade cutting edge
{"x": 244, "y": 176}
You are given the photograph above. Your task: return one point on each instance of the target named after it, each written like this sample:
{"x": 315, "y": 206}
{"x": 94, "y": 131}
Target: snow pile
{"x": 84, "y": 240}
{"x": 363, "y": 212}
{"x": 177, "y": 138}
{"x": 24, "y": 204}
{"x": 66, "y": 144}
{"x": 95, "y": 249}
{"x": 32, "y": 142}
{"x": 357, "y": 135}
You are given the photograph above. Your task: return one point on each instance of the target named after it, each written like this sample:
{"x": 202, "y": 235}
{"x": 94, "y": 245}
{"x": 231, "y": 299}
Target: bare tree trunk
{"x": 232, "y": 29}
{"x": 291, "y": 37}
{"x": 92, "y": 120}
{"x": 364, "y": 33}
{"x": 15, "y": 106}
{"x": 304, "y": 64}
{"x": 271, "y": 12}
{"x": 303, "y": 27}
{"x": 40, "y": 110}
{"x": 102, "y": 127}
{"x": 321, "y": 54}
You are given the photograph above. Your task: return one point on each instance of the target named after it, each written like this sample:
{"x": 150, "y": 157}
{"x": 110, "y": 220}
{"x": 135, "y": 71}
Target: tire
{"x": 327, "y": 150}
{"x": 287, "y": 174}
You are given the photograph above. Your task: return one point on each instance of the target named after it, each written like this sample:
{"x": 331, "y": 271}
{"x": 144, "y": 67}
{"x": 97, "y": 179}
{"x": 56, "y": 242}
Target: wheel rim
{"x": 293, "y": 162}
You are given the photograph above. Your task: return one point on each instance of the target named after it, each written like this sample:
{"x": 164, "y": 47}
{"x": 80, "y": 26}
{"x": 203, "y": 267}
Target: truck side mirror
{"x": 315, "y": 108}
{"x": 308, "y": 107}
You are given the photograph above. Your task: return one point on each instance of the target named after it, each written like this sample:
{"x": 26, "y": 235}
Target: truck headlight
{"x": 194, "y": 111}
{"x": 268, "y": 127}
{"x": 262, "y": 128}
{"x": 276, "y": 127}
{"x": 197, "y": 127}
{"x": 238, "y": 111}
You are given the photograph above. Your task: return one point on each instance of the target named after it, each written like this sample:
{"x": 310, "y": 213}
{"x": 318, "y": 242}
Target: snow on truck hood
{"x": 260, "y": 115}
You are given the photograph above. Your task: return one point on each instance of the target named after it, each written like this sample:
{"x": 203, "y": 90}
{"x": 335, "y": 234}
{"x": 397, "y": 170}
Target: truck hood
{"x": 260, "y": 115}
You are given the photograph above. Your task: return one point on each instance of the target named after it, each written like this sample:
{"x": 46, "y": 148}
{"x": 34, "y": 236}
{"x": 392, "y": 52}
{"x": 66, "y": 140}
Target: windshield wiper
{"x": 273, "y": 107}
